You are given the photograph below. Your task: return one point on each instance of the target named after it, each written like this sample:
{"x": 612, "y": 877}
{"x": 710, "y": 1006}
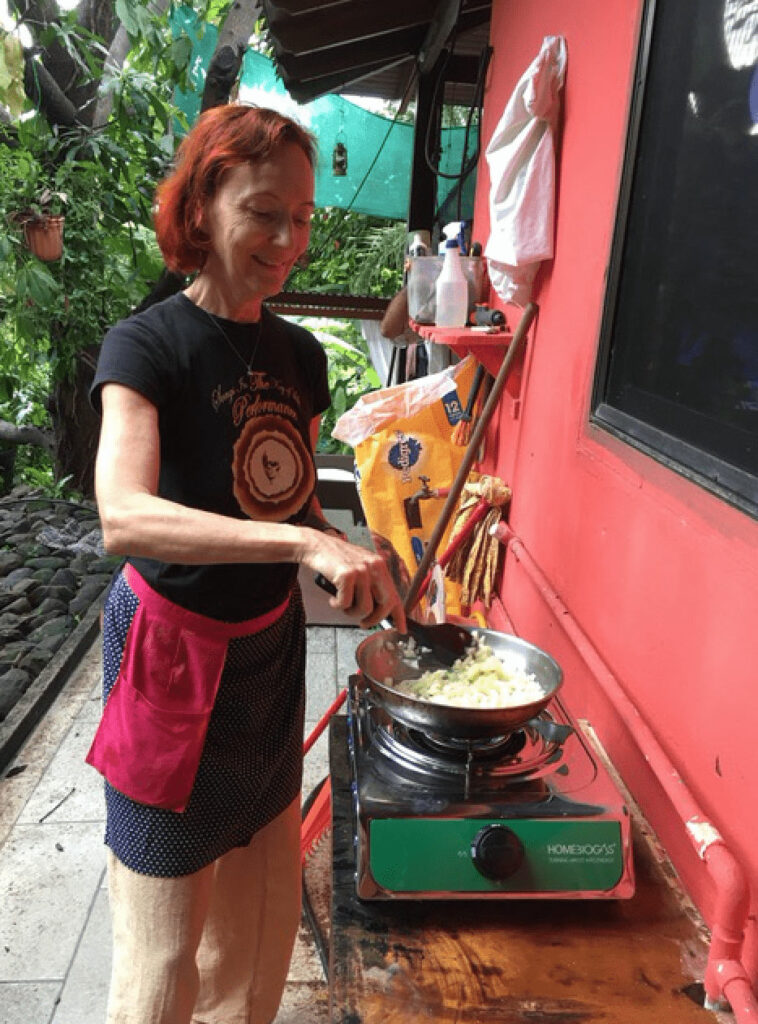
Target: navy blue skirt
{"x": 251, "y": 766}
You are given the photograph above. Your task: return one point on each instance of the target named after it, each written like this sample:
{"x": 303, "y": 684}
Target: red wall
{"x": 660, "y": 576}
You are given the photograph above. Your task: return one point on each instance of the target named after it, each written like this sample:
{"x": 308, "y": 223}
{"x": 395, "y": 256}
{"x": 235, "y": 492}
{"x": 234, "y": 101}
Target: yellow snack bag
{"x": 404, "y": 452}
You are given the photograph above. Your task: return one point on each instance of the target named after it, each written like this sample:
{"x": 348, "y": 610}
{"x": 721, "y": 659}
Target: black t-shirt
{"x": 232, "y": 441}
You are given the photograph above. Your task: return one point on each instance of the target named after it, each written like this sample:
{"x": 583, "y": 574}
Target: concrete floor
{"x": 54, "y": 924}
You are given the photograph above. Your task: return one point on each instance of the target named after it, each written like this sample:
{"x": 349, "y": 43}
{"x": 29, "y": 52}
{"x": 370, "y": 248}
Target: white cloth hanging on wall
{"x": 521, "y": 158}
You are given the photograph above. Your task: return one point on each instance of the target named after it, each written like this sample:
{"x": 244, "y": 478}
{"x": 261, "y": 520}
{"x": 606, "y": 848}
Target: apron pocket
{"x": 148, "y": 754}
{"x": 152, "y": 732}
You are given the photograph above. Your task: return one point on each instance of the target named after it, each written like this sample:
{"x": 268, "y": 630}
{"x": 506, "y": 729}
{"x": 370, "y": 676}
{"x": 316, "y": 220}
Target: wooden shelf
{"x": 488, "y": 347}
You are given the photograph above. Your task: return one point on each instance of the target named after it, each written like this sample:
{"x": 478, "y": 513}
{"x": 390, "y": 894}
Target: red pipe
{"x": 724, "y": 974}
{"x": 324, "y": 721}
{"x": 725, "y": 977}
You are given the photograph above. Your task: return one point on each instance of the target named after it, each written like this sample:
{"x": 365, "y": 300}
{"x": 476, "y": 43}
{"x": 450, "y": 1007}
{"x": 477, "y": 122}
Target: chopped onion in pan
{"x": 480, "y": 679}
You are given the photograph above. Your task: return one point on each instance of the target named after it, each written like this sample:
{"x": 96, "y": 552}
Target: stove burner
{"x": 487, "y": 749}
{"x": 471, "y": 766}
{"x": 430, "y": 811}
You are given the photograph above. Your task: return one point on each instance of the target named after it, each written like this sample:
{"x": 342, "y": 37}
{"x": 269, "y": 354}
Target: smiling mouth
{"x": 270, "y": 266}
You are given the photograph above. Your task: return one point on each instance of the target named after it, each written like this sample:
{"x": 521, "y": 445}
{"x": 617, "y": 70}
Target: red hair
{"x": 223, "y": 137}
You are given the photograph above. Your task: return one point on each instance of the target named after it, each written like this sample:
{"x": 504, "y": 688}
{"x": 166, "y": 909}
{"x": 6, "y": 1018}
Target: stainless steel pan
{"x": 383, "y": 662}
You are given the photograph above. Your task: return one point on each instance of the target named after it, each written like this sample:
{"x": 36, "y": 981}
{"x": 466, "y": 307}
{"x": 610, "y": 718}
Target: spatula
{"x": 445, "y": 640}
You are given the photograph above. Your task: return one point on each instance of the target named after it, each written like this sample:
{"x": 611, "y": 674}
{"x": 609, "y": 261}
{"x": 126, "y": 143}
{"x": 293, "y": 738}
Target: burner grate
{"x": 489, "y": 749}
{"x": 477, "y": 766}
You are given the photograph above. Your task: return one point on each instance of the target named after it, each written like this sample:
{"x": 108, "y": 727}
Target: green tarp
{"x": 374, "y": 184}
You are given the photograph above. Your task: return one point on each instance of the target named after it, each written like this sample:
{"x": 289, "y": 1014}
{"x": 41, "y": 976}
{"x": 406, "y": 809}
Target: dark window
{"x": 678, "y": 374}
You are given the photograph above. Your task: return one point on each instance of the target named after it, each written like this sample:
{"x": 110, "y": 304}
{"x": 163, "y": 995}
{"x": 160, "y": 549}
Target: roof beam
{"x": 303, "y": 33}
{"x": 448, "y": 13}
{"x": 353, "y": 54}
{"x": 305, "y": 91}
{"x": 353, "y": 307}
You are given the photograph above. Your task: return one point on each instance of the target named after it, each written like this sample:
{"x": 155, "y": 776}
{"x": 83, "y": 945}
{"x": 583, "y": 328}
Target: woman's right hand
{"x": 361, "y": 577}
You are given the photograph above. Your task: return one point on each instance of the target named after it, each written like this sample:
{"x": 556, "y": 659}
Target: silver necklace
{"x": 248, "y": 364}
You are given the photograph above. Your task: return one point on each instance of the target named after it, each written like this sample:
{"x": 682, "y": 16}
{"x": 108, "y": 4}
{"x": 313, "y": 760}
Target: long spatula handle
{"x": 470, "y": 455}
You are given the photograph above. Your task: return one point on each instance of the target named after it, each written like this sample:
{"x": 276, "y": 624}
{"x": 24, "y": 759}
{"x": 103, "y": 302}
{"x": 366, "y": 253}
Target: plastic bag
{"x": 521, "y": 158}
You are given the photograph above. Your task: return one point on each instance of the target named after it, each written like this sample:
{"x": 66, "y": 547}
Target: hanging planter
{"x": 42, "y": 223}
{"x": 44, "y": 236}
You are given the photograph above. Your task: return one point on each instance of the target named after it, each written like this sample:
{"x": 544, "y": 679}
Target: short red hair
{"x": 223, "y": 137}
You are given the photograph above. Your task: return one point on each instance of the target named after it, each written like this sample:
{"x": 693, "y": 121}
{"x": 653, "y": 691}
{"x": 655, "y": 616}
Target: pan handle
{"x": 551, "y": 732}
{"x": 321, "y": 581}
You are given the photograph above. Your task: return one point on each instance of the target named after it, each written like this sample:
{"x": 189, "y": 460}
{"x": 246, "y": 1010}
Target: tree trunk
{"x": 225, "y": 64}
{"x": 77, "y": 426}
{"x": 11, "y": 435}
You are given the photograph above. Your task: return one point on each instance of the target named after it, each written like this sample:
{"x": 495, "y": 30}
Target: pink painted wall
{"x": 661, "y": 576}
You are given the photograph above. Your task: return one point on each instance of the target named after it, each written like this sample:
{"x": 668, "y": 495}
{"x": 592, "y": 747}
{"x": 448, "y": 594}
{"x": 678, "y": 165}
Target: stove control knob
{"x": 497, "y": 852}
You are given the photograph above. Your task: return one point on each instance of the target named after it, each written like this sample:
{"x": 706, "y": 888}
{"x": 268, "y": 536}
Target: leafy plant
{"x": 12, "y": 93}
{"x": 352, "y": 253}
{"x": 350, "y": 374}
{"x": 53, "y": 314}
{"x": 48, "y": 203}
{"x": 53, "y": 311}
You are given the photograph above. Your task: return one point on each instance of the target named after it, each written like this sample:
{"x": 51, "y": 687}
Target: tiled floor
{"x": 54, "y": 927}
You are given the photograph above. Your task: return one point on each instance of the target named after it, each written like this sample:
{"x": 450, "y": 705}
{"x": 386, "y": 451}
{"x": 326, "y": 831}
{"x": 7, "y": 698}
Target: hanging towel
{"x": 521, "y": 158}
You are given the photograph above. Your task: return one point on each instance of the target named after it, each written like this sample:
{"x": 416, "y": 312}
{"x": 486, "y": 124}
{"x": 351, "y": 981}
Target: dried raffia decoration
{"x": 475, "y": 562}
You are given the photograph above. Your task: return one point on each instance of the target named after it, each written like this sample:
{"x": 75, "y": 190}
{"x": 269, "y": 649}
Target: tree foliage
{"x": 95, "y": 125}
{"x": 352, "y": 254}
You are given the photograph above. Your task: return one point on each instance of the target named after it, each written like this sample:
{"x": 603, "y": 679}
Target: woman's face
{"x": 259, "y": 223}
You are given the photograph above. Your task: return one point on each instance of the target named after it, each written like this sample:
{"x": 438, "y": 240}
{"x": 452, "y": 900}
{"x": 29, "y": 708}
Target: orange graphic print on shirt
{"x": 272, "y": 466}
{"x": 273, "y": 471}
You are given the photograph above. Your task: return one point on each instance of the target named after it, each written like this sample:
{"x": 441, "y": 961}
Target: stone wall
{"x": 52, "y": 569}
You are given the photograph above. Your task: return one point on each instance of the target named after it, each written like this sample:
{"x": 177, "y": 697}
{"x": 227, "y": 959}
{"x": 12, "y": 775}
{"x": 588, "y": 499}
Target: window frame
{"x": 732, "y": 484}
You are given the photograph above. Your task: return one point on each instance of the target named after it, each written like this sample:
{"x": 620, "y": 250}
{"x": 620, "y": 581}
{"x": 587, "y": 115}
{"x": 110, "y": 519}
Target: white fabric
{"x": 521, "y": 158}
{"x": 380, "y": 348}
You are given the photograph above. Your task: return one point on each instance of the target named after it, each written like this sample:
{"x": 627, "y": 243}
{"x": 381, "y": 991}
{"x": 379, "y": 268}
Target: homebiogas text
{"x": 566, "y": 853}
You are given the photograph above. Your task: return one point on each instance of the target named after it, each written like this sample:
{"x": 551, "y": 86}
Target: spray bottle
{"x": 452, "y": 286}
{"x": 455, "y": 229}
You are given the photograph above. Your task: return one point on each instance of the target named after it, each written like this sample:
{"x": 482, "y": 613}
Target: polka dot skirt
{"x": 251, "y": 766}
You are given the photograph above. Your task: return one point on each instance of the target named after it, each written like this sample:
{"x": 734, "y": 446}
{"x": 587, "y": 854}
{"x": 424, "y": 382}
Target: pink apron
{"x": 151, "y": 735}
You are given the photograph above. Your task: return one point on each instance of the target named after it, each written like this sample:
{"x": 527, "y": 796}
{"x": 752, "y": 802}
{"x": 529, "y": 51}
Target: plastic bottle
{"x": 452, "y": 289}
{"x": 418, "y": 247}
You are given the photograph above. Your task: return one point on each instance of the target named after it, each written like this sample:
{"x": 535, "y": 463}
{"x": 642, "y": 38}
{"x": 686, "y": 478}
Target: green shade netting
{"x": 333, "y": 119}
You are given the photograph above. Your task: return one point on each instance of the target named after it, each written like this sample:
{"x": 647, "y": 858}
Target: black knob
{"x": 497, "y": 852}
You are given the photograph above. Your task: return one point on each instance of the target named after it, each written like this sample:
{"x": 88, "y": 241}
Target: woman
{"x": 205, "y": 481}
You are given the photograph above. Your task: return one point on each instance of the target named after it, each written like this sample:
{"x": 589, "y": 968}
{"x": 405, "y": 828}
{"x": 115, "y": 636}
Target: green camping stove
{"x": 530, "y": 815}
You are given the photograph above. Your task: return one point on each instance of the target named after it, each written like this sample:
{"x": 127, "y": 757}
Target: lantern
{"x": 339, "y": 160}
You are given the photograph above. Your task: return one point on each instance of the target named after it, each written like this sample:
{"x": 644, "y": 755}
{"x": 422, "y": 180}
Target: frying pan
{"x": 383, "y": 662}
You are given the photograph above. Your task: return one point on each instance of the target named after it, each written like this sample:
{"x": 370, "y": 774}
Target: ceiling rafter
{"x": 374, "y": 48}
